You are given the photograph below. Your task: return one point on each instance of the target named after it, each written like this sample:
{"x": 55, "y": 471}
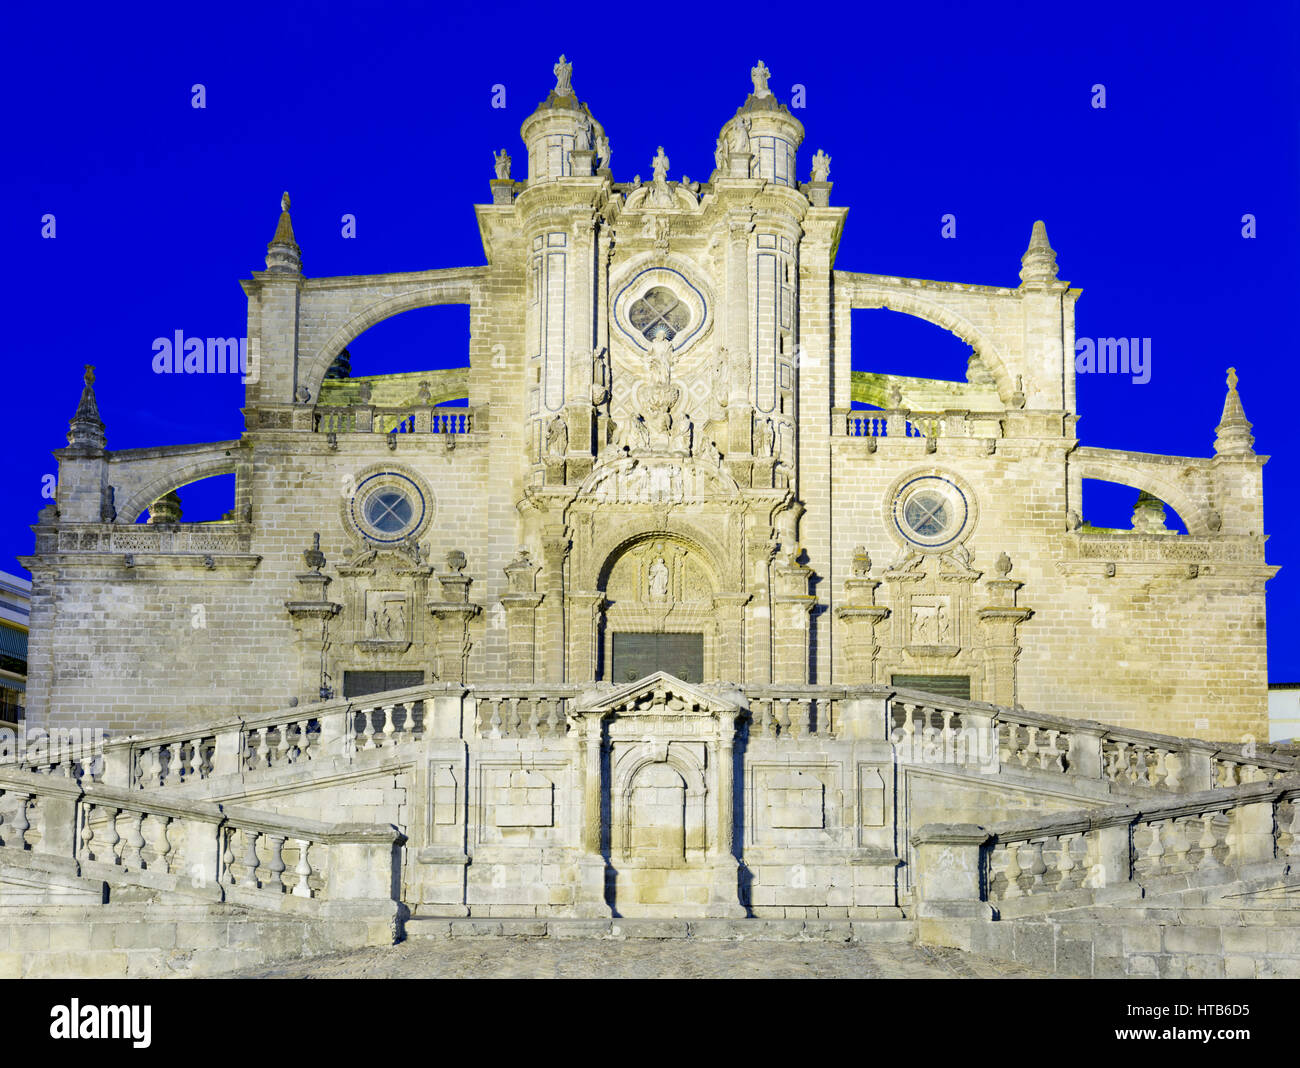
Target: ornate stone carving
{"x": 563, "y": 77}
{"x": 501, "y": 160}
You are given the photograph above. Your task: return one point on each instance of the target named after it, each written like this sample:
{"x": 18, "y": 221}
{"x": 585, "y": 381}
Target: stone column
{"x": 859, "y": 615}
{"x": 520, "y": 606}
{"x": 453, "y": 613}
{"x": 792, "y": 609}
{"x": 589, "y": 899}
{"x": 739, "y": 418}
{"x": 311, "y": 614}
{"x": 729, "y": 657}
{"x": 555, "y": 549}
{"x": 585, "y": 610}
{"x": 724, "y": 899}
{"x": 999, "y": 621}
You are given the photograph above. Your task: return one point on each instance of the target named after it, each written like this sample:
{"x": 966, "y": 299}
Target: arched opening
{"x": 658, "y": 611}
{"x": 205, "y": 500}
{"x": 900, "y": 360}
{"x": 656, "y": 832}
{"x": 419, "y": 357}
{"x": 1116, "y": 506}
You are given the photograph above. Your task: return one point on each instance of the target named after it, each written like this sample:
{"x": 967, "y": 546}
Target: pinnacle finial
{"x": 760, "y": 75}
{"x": 86, "y": 427}
{"x": 283, "y": 256}
{"x": 1038, "y": 264}
{"x": 1232, "y": 435}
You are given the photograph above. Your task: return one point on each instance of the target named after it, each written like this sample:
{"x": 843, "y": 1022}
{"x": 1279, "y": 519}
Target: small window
{"x": 389, "y": 511}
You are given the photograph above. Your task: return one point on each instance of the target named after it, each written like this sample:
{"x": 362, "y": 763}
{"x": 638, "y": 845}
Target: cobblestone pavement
{"x": 676, "y": 958}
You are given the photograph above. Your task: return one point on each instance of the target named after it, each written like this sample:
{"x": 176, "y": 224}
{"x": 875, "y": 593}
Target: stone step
{"x": 720, "y": 930}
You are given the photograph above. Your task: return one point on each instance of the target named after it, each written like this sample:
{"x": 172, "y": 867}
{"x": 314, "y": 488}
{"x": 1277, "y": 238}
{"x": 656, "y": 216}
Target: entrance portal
{"x": 637, "y": 655}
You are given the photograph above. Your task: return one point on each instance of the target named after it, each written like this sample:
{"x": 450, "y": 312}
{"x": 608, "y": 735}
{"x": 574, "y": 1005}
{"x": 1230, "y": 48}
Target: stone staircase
{"x": 217, "y": 829}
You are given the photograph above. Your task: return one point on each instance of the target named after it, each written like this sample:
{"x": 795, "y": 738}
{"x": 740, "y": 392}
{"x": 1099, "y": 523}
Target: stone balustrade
{"x": 927, "y": 729}
{"x": 522, "y": 711}
{"x": 900, "y": 423}
{"x": 794, "y": 712}
{"x": 231, "y": 853}
{"x": 417, "y": 419}
{"x": 218, "y": 536}
{"x": 923, "y": 728}
{"x": 1113, "y": 851}
{"x": 337, "y": 729}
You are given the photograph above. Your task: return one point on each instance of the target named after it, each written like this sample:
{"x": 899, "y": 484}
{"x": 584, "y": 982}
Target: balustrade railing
{"x": 202, "y": 845}
{"x": 1026, "y": 865}
{"x": 793, "y": 713}
{"x": 1207, "y": 831}
{"x": 417, "y": 419}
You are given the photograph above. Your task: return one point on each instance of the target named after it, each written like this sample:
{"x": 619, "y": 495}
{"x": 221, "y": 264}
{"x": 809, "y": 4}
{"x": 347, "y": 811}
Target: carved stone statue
{"x": 821, "y": 167}
{"x": 720, "y": 155}
{"x": 740, "y": 138}
{"x": 658, "y": 576}
{"x": 284, "y": 201}
{"x": 603, "y": 151}
{"x": 764, "y": 437}
{"x": 660, "y": 165}
{"x": 683, "y": 434}
{"x": 760, "y": 74}
{"x": 659, "y": 360}
{"x": 563, "y": 73}
{"x": 557, "y": 438}
{"x": 582, "y": 140}
{"x": 501, "y": 160}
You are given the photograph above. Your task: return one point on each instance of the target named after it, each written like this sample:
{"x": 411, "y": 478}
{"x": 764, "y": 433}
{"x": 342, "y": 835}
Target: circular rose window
{"x": 931, "y": 511}
{"x": 388, "y": 507}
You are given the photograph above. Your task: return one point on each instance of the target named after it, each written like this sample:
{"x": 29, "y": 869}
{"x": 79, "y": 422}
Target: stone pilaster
{"x": 453, "y": 613}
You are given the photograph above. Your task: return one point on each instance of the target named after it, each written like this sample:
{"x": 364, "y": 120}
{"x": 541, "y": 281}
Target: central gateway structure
{"x": 678, "y": 616}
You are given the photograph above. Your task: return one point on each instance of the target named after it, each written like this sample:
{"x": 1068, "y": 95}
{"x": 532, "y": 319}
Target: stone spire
{"x": 1232, "y": 435}
{"x": 1038, "y": 264}
{"x": 86, "y": 428}
{"x": 283, "y": 256}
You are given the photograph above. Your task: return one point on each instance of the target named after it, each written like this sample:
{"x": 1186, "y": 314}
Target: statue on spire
{"x": 660, "y": 165}
{"x": 284, "y": 201}
{"x": 821, "y": 167}
{"x": 760, "y": 74}
{"x": 501, "y": 160}
{"x": 563, "y": 72}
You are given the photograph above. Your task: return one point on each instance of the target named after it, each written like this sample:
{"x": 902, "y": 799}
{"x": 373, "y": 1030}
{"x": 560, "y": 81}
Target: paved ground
{"x": 675, "y": 958}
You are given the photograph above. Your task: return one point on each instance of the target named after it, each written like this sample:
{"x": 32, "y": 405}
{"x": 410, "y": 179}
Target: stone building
{"x": 679, "y": 623}
{"x": 665, "y": 462}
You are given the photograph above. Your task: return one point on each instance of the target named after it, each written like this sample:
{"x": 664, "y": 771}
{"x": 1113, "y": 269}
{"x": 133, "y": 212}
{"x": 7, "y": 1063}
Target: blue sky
{"x": 383, "y": 111}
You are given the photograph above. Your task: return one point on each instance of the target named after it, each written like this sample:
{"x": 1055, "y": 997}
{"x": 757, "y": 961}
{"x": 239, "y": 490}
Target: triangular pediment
{"x": 662, "y": 693}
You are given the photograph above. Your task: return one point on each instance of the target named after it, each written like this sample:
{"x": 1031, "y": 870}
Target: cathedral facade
{"x": 659, "y": 458}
